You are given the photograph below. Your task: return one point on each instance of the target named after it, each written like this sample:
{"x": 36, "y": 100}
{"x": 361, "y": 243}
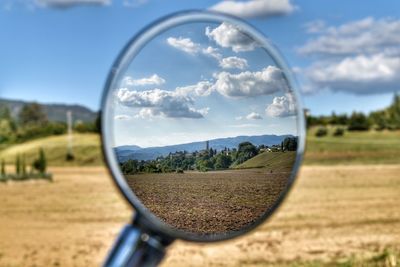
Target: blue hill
{"x": 125, "y": 153}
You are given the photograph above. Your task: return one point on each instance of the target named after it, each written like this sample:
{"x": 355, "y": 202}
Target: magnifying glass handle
{"x": 136, "y": 247}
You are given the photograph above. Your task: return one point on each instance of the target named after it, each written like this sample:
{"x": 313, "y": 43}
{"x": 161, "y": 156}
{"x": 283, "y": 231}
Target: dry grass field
{"x": 214, "y": 202}
{"x": 343, "y": 215}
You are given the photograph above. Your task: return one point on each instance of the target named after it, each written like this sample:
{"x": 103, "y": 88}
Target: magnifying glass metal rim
{"x": 125, "y": 57}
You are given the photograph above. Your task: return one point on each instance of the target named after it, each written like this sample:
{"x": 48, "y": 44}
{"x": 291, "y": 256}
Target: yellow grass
{"x": 333, "y": 214}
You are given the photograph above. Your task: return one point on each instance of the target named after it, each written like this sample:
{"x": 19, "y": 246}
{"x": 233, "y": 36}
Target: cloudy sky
{"x": 222, "y": 84}
{"x": 345, "y": 54}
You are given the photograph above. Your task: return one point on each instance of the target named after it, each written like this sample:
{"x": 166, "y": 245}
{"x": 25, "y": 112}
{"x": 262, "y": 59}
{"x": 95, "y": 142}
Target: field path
{"x": 332, "y": 213}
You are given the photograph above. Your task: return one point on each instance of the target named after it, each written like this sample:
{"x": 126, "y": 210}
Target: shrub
{"x": 338, "y": 132}
{"x": 321, "y": 132}
{"x": 70, "y": 156}
{"x": 40, "y": 164}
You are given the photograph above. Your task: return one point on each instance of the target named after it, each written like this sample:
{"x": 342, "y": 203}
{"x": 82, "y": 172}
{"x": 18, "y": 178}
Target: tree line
{"x": 32, "y": 122}
{"x": 385, "y": 119}
{"x": 204, "y": 160}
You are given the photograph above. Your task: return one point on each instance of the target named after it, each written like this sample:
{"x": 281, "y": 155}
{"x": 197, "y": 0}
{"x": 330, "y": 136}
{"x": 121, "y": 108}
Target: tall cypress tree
{"x": 23, "y": 166}
{"x": 18, "y": 165}
{"x": 3, "y": 168}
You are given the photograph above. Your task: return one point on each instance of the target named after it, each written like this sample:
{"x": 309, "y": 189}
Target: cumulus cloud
{"x": 203, "y": 88}
{"x": 254, "y": 116}
{"x": 184, "y": 44}
{"x": 379, "y": 73}
{"x": 69, "y": 3}
{"x": 233, "y": 63}
{"x": 152, "y": 80}
{"x": 251, "y": 84}
{"x": 282, "y": 106}
{"x": 158, "y": 102}
{"x": 361, "y": 57}
{"x": 363, "y": 36}
{"x": 254, "y": 8}
{"x": 228, "y": 36}
{"x": 212, "y": 52}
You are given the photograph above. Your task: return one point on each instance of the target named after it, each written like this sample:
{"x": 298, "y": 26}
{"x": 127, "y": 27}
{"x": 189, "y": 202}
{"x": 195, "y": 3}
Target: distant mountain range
{"x": 125, "y": 153}
{"x": 55, "y": 112}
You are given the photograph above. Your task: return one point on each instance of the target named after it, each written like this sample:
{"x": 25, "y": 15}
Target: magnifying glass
{"x": 202, "y": 130}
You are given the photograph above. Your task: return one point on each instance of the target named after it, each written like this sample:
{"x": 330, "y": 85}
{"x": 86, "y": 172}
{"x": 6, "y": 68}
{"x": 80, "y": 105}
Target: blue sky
{"x": 345, "y": 53}
{"x": 221, "y": 84}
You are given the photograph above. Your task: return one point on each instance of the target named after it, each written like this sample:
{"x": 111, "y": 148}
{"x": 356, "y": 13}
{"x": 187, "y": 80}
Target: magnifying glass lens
{"x": 202, "y": 126}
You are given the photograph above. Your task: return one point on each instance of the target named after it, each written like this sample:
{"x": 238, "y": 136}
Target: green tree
{"x": 129, "y": 167}
{"x": 246, "y": 150}
{"x": 289, "y": 144}
{"x": 32, "y": 114}
{"x": 321, "y": 132}
{"x": 394, "y": 113}
{"x": 6, "y": 131}
{"x": 18, "y": 165}
{"x": 222, "y": 161}
{"x": 358, "y": 122}
{"x": 3, "y": 168}
{"x": 23, "y": 166}
{"x": 40, "y": 164}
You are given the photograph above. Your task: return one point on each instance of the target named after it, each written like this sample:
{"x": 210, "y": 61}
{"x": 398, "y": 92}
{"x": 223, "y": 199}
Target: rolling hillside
{"x": 275, "y": 161}
{"x": 353, "y": 148}
{"x": 54, "y": 112}
{"x": 86, "y": 149}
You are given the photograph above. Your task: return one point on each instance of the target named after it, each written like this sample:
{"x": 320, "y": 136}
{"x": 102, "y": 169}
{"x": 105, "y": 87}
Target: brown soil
{"x": 215, "y": 202}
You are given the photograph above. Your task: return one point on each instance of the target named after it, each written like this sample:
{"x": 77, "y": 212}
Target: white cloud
{"x": 361, "y": 57}
{"x": 254, "y": 8}
{"x": 134, "y": 3}
{"x": 184, "y": 44}
{"x": 122, "y": 117}
{"x": 212, "y": 52}
{"x": 251, "y": 84}
{"x": 363, "y": 36}
{"x": 282, "y": 106}
{"x": 152, "y": 80}
{"x": 361, "y": 74}
{"x": 158, "y": 102}
{"x": 316, "y": 26}
{"x": 254, "y": 116}
{"x": 203, "y": 88}
{"x": 228, "y": 36}
{"x": 233, "y": 62}
{"x": 69, "y": 3}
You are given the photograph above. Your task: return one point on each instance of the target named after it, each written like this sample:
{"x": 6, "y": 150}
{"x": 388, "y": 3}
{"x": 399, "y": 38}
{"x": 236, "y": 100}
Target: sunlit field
{"x": 334, "y": 214}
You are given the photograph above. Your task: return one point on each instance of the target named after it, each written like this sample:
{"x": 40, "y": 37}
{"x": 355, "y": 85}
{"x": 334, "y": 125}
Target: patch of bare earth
{"x": 209, "y": 202}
